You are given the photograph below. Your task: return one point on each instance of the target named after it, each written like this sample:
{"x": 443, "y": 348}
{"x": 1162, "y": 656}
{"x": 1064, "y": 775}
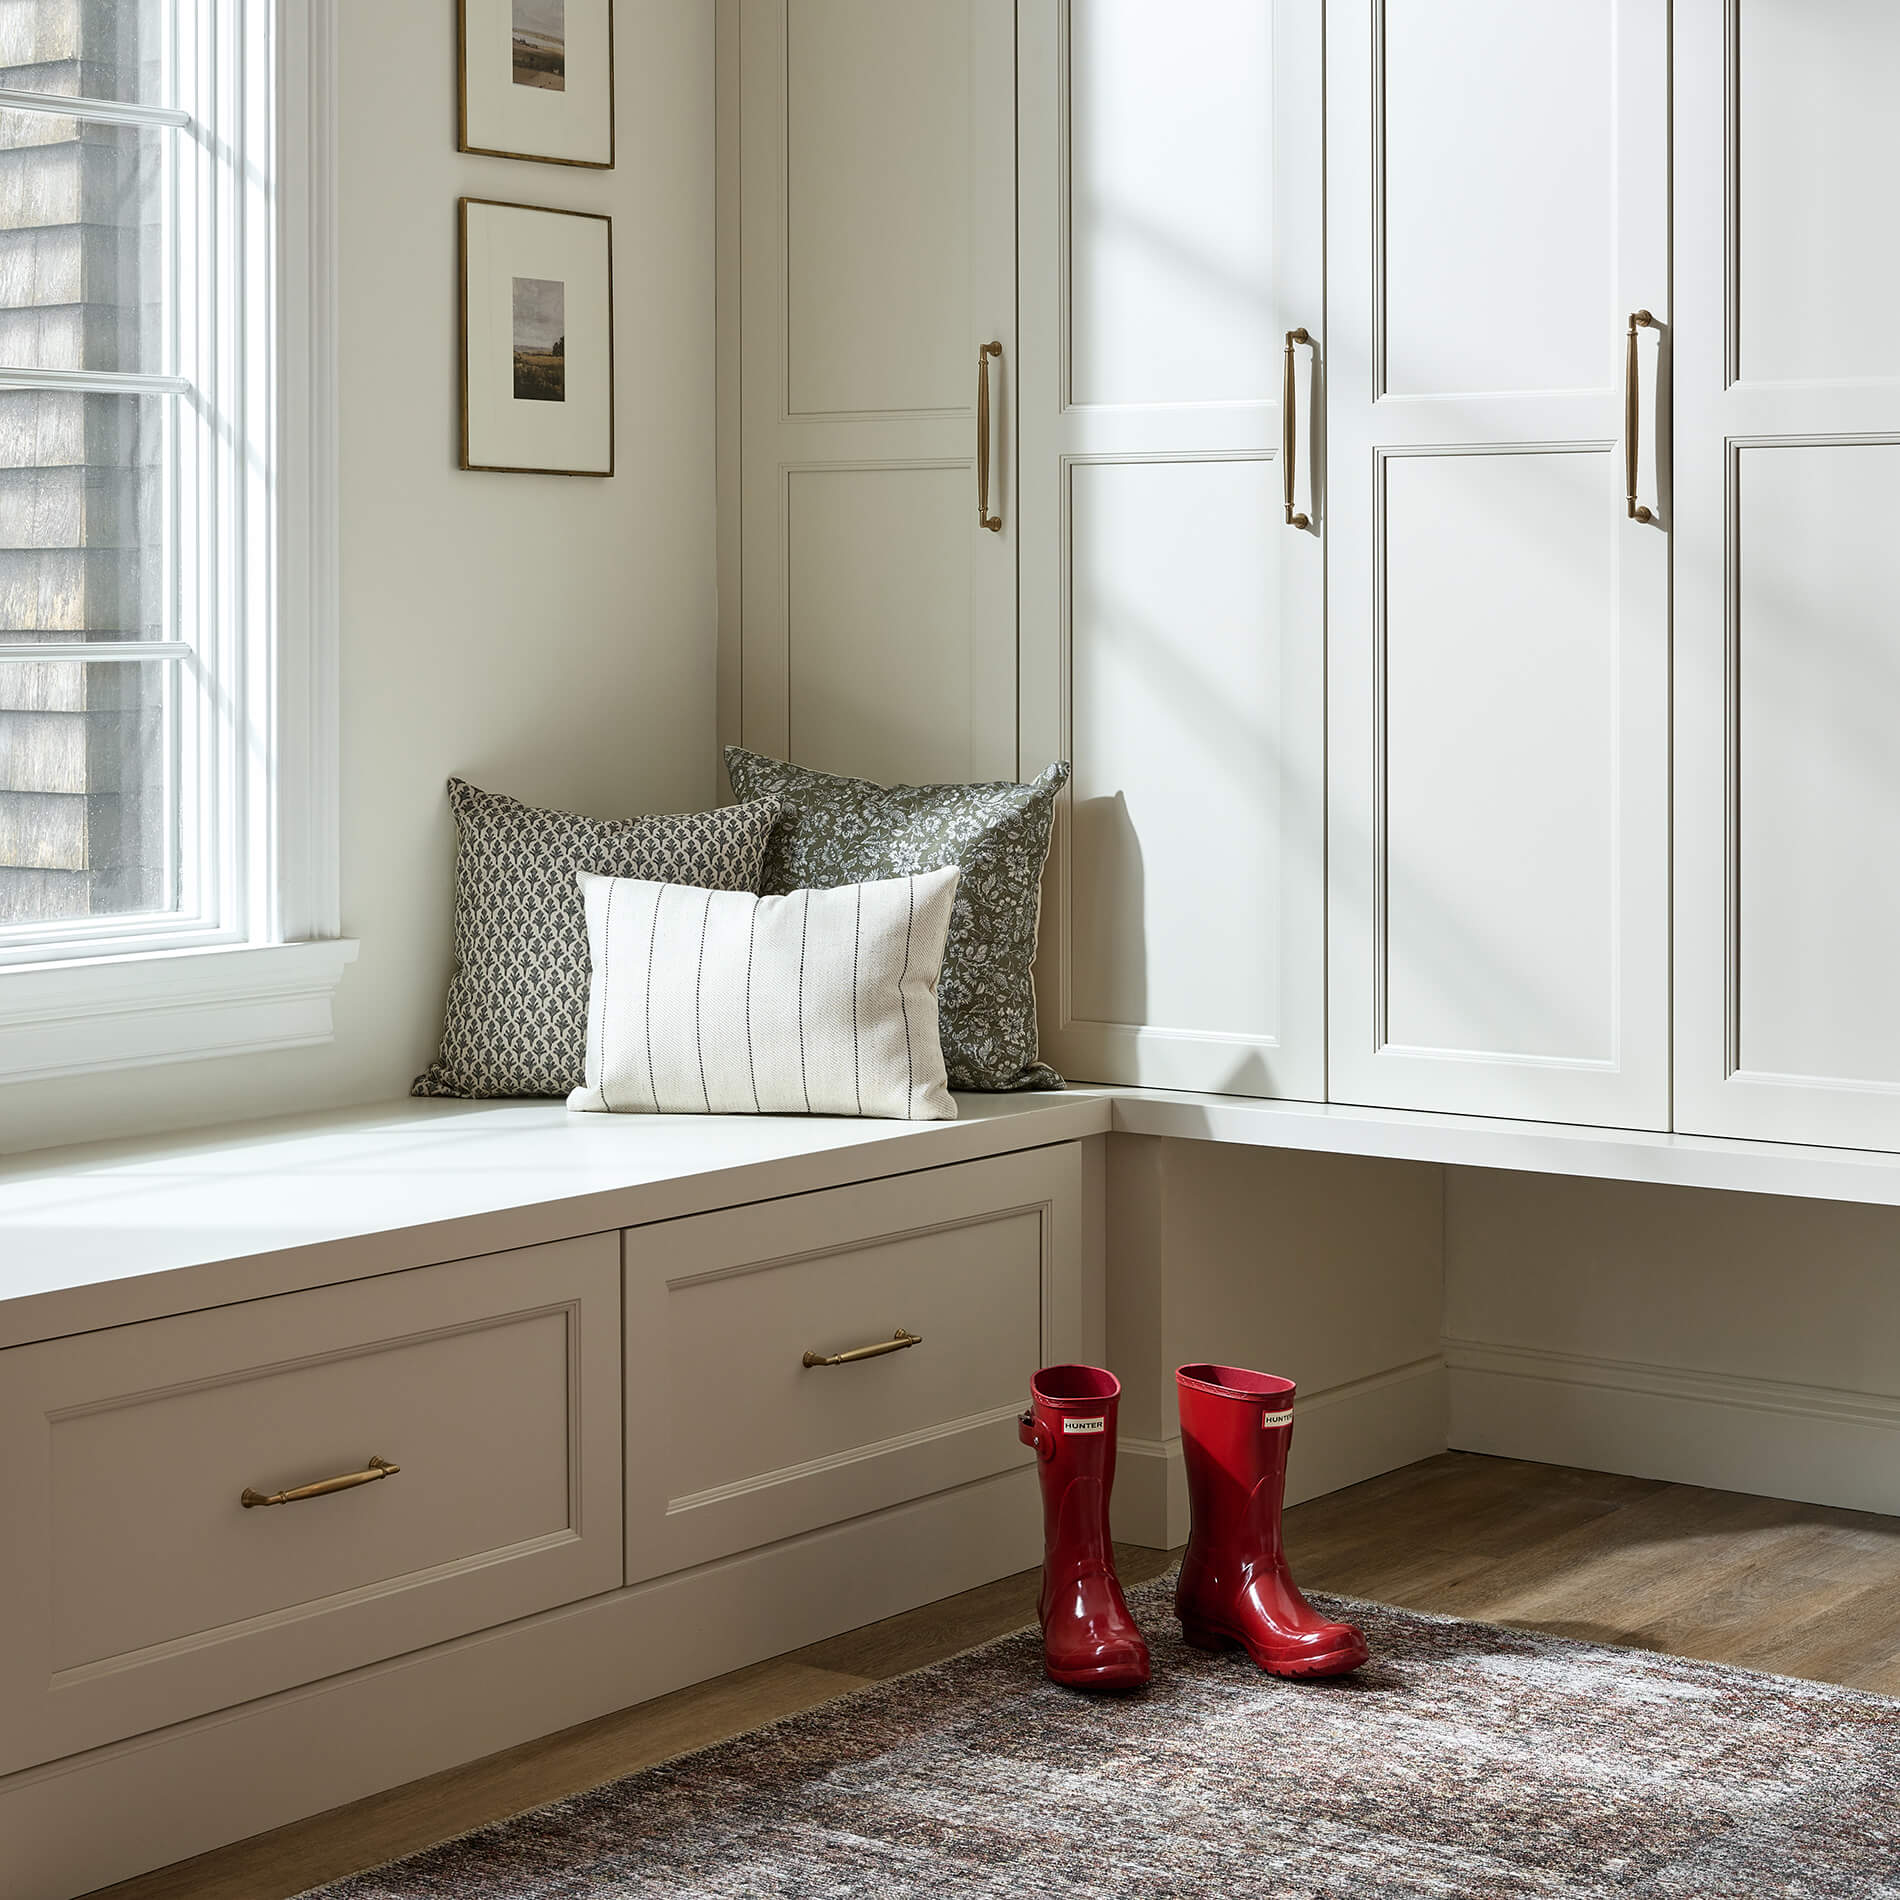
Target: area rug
{"x": 1463, "y": 1761}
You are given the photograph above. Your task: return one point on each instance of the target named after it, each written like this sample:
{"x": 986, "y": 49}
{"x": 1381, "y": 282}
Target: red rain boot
{"x": 1089, "y": 1641}
{"x": 1235, "y": 1586}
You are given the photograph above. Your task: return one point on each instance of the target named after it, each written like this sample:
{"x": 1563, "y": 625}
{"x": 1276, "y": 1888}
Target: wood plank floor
{"x": 1794, "y": 1588}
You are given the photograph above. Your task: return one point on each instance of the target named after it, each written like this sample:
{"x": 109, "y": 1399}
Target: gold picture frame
{"x": 535, "y": 80}
{"x": 536, "y": 331}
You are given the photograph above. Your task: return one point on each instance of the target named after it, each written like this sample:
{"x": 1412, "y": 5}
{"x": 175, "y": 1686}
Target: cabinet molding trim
{"x": 837, "y": 1461}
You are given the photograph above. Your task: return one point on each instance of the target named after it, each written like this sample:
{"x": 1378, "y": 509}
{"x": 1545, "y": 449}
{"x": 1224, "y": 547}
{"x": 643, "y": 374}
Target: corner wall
{"x": 551, "y": 637}
{"x": 1326, "y": 1269}
{"x": 1745, "y": 1341}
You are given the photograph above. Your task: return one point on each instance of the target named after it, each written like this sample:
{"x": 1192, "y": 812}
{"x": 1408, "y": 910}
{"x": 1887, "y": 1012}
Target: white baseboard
{"x": 1817, "y": 1444}
{"x": 1342, "y": 1436}
{"x": 100, "y": 1817}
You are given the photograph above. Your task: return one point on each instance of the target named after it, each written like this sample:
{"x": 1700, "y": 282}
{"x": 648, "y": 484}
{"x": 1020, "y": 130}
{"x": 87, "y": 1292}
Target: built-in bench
{"x": 98, "y": 1236}
{"x": 624, "y": 1437}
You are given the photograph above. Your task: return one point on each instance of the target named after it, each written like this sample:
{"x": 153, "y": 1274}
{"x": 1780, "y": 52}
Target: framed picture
{"x": 537, "y": 339}
{"x": 538, "y": 80}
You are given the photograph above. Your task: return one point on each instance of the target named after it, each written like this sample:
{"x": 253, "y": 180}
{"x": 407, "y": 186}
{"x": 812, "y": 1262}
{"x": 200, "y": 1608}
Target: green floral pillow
{"x": 849, "y": 831}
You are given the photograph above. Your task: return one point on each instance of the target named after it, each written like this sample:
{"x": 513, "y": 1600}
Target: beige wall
{"x": 1748, "y": 1341}
{"x": 1745, "y": 1341}
{"x": 1325, "y": 1269}
{"x": 546, "y": 636}
{"x": 1749, "y": 1285}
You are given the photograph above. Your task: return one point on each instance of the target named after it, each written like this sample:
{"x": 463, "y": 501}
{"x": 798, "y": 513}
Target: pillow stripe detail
{"x": 606, "y": 966}
{"x": 751, "y": 1054}
{"x": 699, "y": 988}
{"x": 804, "y": 932}
{"x": 910, "y": 924}
{"x": 659, "y": 898}
{"x": 721, "y": 1002}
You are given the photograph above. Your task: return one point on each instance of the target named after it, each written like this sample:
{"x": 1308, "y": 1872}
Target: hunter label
{"x": 1084, "y": 1424}
{"x": 1269, "y": 1419}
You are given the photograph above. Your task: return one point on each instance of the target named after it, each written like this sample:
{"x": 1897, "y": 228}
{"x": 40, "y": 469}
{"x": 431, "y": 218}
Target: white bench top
{"x": 100, "y": 1236}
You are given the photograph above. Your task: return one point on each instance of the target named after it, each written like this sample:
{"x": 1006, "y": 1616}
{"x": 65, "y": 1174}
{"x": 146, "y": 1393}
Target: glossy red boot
{"x": 1089, "y": 1640}
{"x": 1235, "y": 1588}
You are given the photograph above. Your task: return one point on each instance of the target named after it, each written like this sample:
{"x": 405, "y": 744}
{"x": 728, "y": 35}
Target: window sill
{"x": 175, "y": 1006}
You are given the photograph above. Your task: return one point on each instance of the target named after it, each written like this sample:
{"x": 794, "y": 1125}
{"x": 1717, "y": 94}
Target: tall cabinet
{"x": 1443, "y": 460}
{"x": 1498, "y": 615}
{"x": 877, "y": 243}
{"x": 1787, "y": 469}
{"x": 1173, "y": 619}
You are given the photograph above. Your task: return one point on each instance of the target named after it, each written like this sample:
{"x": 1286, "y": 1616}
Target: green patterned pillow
{"x": 849, "y": 831}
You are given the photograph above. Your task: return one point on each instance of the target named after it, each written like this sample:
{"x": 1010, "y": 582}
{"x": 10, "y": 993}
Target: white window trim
{"x": 272, "y": 991}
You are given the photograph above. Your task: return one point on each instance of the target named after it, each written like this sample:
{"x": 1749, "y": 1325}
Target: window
{"x": 162, "y": 684}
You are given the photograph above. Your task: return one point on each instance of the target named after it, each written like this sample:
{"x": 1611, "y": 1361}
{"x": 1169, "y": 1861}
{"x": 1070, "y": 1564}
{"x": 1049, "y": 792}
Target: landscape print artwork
{"x": 536, "y": 79}
{"x": 537, "y": 323}
{"x": 540, "y": 339}
{"x": 540, "y": 44}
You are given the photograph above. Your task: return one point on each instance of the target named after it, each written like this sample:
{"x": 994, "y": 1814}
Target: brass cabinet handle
{"x": 1632, "y": 413}
{"x": 993, "y": 522}
{"x": 1289, "y": 434}
{"x": 377, "y": 1468}
{"x": 896, "y": 1343}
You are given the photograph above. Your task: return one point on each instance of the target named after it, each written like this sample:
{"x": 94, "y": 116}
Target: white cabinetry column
{"x": 1172, "y": 622}
{"x": 1498, "y": 638}
{"x": 878, "y": 253}
{"x": 1788, "y": 571}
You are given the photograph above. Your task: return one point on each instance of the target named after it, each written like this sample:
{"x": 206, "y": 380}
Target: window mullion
{"x": 101, "y": 111}
{"x": 95, "y": 382}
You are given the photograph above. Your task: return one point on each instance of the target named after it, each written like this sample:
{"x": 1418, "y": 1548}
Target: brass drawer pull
{"x": 896, "y": 1343}
{"x": 377, "y": 1468}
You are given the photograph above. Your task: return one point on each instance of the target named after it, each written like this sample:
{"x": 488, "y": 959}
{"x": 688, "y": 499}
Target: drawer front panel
{"x": 734, "y": 1442}
{"x": 152, "y": 1594}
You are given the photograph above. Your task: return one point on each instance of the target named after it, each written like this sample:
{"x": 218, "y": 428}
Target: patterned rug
{"x": 1464, "y": 1762}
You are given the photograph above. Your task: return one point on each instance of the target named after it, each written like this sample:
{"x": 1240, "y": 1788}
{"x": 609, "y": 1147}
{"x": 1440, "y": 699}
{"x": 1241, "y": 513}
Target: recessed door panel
{"x": 1170, "y": 201}
{"x": 876, "y": 257}
{"x": 1177, "y": 721}
{"x": 878, "y": 622}
{"x": 877, "y": 212}
{"x": 1787, "y": 797}
{"x": 1819, "y": 676}
{"x": 1818, "y": 156}
{"x": 1499, "y": 775}
{"x": 1497, "y": 600}
{"x": 1497, "y": 178}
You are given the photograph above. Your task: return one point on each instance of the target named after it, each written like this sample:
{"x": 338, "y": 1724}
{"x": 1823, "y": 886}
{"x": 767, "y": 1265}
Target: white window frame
{"x": 252, "y": 958}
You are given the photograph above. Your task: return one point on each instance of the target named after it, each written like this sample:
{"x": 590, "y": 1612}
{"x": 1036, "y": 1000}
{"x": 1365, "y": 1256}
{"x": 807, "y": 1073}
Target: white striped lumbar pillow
{"x": 722, "y": 1003}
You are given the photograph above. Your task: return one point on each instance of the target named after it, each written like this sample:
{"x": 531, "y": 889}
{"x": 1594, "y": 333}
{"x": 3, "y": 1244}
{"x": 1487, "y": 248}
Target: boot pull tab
{"x": 1032, "y": 1431}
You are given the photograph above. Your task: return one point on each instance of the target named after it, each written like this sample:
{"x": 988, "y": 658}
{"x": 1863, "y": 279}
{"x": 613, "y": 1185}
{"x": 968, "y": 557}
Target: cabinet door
{"x": 1788, "y": 571}
{"x": 1498, "y": 189}
{"x": 1172, "y": 623}
{"x": 877, "y": 244}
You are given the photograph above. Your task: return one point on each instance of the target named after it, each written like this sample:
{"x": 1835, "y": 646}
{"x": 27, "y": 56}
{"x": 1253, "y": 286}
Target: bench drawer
{"x": 138, "y": 1588}
{"x": 734, "y": 1442}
